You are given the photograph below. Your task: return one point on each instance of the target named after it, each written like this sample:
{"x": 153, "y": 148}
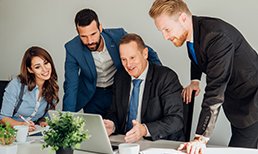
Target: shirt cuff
{"x": 114, "y": 128}
{"x": 196, "y": 80}
{"x": 206, "y": 138}
{"x": 148, "y": 133}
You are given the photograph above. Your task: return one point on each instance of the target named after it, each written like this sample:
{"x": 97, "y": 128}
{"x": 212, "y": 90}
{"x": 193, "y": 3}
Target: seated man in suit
{"x": 92, "y": 59}
{"x": 152, "y": 109}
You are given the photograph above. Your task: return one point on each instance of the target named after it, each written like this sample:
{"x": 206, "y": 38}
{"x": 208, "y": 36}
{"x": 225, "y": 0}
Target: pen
{"x": 25, "y": 120}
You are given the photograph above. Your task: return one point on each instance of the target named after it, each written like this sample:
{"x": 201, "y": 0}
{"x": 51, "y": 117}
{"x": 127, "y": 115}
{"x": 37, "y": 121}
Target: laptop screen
{"x": 99, "y": 141}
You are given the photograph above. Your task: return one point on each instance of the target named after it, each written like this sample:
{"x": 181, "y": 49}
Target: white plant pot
{"x": 9, "y": 149}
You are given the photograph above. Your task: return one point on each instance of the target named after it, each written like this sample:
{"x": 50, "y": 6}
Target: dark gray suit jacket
{"x": 162, "y": 108}
{"x": 231, "y": 67}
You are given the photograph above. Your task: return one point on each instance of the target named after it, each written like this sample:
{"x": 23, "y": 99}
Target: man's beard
{"x": 182, "y": 38}
{"x": 96, "y": 43}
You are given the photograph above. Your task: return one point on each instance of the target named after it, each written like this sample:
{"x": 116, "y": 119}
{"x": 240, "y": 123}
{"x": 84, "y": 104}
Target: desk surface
{"x": 34, "y": 148}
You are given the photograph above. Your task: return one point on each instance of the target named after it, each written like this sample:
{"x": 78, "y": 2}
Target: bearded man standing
{"x": 219, "y": 50}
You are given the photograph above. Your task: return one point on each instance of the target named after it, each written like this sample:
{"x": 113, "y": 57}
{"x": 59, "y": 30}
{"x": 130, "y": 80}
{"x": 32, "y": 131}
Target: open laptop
{"x": 99, "y": 141}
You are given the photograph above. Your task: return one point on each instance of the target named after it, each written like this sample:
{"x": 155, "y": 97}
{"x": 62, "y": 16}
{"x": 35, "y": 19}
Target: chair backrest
{"x": 2, "y": 87}
{"x": 188, "y": 116}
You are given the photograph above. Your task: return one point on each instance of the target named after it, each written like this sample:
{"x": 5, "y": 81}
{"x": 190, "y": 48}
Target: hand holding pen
{"x": 30, "y": 124}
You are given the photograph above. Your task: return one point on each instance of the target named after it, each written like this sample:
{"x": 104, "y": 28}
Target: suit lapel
{"x": 90, "y": 61}
{"x": 113, "y": 50}
{"x": 125, "y": 94}
{"x": 196, "y": 37}
{"x": 126, "y": 91}
{"x": 147, "y": 88}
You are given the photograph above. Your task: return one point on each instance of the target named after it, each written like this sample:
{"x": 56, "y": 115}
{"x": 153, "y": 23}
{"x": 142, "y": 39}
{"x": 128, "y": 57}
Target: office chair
{"x": 2, "y": 87}
{"x": 188, "y": 117}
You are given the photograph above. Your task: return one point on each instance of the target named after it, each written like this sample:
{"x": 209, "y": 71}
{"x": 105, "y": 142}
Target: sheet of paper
{"x": 161, "y": 151}
{"x": 230, "y": 151}
{"x": 38, "y": 129}
{"x": 226, "y": 150}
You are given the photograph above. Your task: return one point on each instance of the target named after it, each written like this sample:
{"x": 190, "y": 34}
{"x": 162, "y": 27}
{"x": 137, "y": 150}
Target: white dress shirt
{"x": 105, "y": 67}
{"x": 142, "y": 85}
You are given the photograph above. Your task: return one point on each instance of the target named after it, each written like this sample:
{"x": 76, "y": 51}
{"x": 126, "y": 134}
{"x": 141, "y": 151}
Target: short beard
{"x": 97, "y": 45}
{"x": 181, "y": 39}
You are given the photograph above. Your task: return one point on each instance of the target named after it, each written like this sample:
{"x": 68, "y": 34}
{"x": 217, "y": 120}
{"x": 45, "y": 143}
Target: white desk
{"x": 34, "y": 148}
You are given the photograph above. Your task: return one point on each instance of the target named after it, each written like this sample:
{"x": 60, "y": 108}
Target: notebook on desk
{"x": 38, "y": 129}
{"x": 99, "y": 141}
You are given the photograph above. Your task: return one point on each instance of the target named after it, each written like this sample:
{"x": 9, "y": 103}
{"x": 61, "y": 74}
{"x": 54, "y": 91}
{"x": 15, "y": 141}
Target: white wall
{"x": 50, "y": 24}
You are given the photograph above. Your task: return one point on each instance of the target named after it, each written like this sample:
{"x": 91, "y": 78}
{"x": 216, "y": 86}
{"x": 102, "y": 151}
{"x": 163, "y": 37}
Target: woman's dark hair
{"x": 50, "y": 87}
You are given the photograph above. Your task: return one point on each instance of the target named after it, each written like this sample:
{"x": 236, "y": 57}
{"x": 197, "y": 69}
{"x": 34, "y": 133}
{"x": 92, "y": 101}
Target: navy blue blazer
{"x": 80, "y": 70}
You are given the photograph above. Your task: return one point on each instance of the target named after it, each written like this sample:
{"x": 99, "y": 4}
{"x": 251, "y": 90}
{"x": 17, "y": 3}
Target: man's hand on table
{"x": 193, "y": 147}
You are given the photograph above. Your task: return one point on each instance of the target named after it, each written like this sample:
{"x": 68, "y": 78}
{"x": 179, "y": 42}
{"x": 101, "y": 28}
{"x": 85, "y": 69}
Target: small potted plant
{"x": 65, "y": 133}
{"x": 7, "y": 137}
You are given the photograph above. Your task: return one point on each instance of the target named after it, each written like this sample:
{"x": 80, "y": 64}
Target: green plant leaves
{"x": 65, "y": 131}
{"x": 7, "y": 134}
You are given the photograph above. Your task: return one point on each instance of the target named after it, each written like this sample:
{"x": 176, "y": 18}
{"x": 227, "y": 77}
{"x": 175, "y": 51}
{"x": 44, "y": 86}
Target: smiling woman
{"x": 38, "y": 77}
{"x": 41, "y": 68}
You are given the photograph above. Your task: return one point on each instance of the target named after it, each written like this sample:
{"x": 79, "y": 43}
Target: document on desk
{"x": 229, "y": 150}
{"x": 162, "y": 151}
{"x": 38, "y": 129}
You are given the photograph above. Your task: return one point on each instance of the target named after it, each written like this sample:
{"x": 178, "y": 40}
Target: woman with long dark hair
{"x": 39, "y": 79}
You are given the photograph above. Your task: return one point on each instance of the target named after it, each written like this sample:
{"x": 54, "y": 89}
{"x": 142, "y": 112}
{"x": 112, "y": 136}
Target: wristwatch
{"x": 201, "y": 139}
